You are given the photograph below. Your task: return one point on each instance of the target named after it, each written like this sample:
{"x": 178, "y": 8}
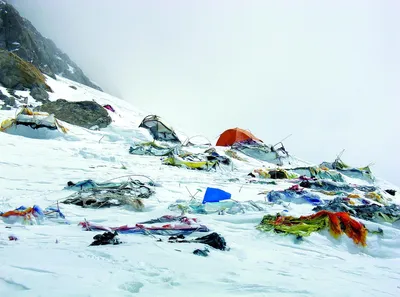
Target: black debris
{"x": 106, "y": 238}
{"x": 203, "y": 253}
{"x": 214, "y": 240}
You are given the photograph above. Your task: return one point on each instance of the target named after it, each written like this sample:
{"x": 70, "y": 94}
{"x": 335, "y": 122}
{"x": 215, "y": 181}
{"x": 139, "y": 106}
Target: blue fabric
{"x": 293, "y": 196}
{"x": 215, "y": 195}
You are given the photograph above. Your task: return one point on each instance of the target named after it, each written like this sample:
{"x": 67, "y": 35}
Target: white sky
{"x": 325, "y": 71}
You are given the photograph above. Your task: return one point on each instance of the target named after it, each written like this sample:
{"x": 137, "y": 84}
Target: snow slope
{"x": 54, "y": 259}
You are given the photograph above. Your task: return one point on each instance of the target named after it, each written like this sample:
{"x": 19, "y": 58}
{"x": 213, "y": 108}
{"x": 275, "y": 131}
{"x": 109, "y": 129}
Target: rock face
{"x": 83, "y": 113}
{"x": 18, "y": 74}
{"x": 8, "y": 102}
{"x": 39, "y": 94}
{"x": 20, "y": 37}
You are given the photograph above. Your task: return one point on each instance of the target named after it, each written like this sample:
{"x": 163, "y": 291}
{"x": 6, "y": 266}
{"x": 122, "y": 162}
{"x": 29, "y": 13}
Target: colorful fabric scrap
{"x": 337, "y": 223}
{"x": 31, "y": 215}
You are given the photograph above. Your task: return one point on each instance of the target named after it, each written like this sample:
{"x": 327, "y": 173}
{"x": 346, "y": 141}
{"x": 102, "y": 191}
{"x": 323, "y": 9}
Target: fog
{"x": 326, "y": 72}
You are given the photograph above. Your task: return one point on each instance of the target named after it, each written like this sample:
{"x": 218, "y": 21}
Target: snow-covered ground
{"x": 54, "y": 259}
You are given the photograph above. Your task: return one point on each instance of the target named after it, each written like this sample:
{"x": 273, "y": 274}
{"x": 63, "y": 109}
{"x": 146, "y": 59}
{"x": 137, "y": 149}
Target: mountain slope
{"x": 54, "y": 258}
{"x": 19, "y": 36}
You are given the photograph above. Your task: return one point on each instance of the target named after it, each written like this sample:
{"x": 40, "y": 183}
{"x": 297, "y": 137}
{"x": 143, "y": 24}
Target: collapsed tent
{"x": 150, "y": 149}
{"x": 363, "y": 173}
{"x": 272, "y": 173}
{"x": 184, "y": 225}
{"x": 231, "y": 136}
{"x": 370, "y": 212}
{"x": 32, "y": 119}
{"x": 222, "y": 207}
{"x": 31, "y": 215}
{"x": 318, "y": 172}
{"x": 192, "y": 161}
{"x": 337, "y": 223}
{"x": 261, "y": 151}
{"x": 91, "y": 194}
{"x": 158, "y": 129}
{"x": 294, "y": 196}
{"x": 331, "y": 186}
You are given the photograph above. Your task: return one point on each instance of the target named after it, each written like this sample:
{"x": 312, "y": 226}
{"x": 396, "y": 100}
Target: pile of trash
{"x": 183, "y": 226}
{"x": 208, "y": 160}
{"x": 151, "y": 149}
{"x": 33, "y": 215}
{"x": 98, "y": 195}
{"x": 336, "y": 222}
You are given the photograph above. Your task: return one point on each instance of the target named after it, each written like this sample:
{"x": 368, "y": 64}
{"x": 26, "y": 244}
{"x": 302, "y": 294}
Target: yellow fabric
{"x": 6, "y": 124}
{"x": 374, "y": 196}
{"x": 353, "y": 196}
{"x": 61, "y": 127}
{"x": 191, "y": 164}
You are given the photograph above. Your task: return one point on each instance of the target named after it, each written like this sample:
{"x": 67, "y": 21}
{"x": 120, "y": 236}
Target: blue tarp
{"x": 215, "y": 195}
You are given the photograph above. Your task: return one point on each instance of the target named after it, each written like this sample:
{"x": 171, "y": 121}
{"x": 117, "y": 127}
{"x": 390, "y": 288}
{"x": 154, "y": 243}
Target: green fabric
{"x": 299, "y": 228}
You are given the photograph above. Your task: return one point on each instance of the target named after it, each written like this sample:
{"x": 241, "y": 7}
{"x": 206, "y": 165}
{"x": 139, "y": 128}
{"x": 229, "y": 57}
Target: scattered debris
{"x": 336, "y": 222}
{"x": 106, "y": 238}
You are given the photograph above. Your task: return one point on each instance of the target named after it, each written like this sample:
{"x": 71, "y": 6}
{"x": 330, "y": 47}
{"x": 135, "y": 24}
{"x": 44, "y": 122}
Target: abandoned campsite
{"x": 99, "y": 198}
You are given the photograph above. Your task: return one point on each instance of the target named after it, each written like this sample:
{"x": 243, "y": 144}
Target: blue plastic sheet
{"x": 215, "y": 195}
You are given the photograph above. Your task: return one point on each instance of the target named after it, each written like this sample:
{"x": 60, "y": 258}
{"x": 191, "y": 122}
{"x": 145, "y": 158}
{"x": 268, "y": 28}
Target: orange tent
{"x": 233, "y": 135}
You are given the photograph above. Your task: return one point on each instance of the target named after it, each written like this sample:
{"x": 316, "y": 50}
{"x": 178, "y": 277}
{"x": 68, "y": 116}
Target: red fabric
{"x": 231, "y": 136}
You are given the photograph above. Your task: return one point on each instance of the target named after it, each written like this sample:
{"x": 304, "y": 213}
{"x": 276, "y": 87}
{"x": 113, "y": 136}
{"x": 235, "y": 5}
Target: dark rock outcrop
{"x": 8, "y": 101}
{"x": 19, "y": 36}
{"x": 82, "y": 113}
{"x": 17, "y": 74}
{"x": 39, "y": 94}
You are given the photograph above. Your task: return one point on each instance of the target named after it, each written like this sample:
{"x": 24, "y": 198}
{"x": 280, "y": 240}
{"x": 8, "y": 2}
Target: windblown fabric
{"x": 223, "y": 207}
{"x": 291, "y": 196}
{"x": 31, "y": 215}
{"x": 332, "y": 186}
{"x": 261, "y": 151}
{"x": 337, "y": 223}
{"x": 272, "y": 173}
{"x": 190, "y": 162}
{"x": 370, "y": 212}
{"x": 363, "y": 173}
{"x": 318, "y": 172}
{"x": 183, "y": 226}
{"x": 97, "y": 195}
{"x": 150, "y": 149}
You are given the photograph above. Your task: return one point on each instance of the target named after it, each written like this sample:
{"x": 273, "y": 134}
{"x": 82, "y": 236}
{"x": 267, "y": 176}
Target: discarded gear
{"x": 214, "y": 240}
{"x": 293, "y": 196}
{"x": 109, "y": 194}
{"x": 331, "y": 186}
{"x": 336, "y": 222}
{"x": 261, "y": 151}
{"x": 222, "y": 207}
{"x": 34, "y": 215}
{"x": 318, "y": 172}
{"x": 363, "y": 173}
{"x": 106, "y": 238}
{"x": 151, "y": 149}
{"x": 184, "y": 225}
{"x": 371, "y": 212}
